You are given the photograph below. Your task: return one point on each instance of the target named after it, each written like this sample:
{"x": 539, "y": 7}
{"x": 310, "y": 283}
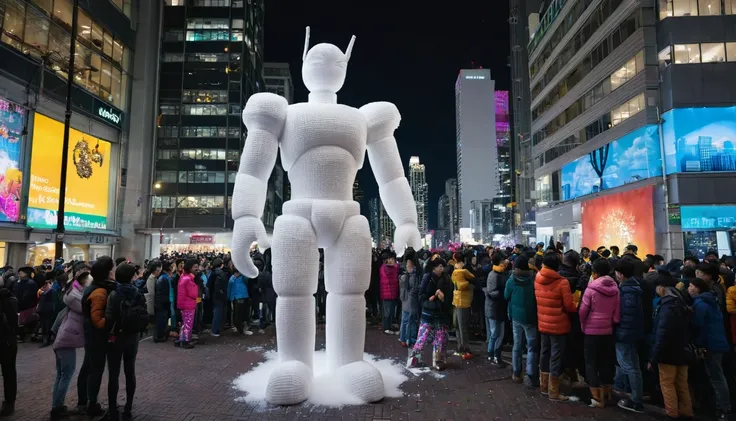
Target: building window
{"x": 14, "y": 23}
{"x": 628, "y": 109}
{"x": 204, "y": 109}
{"x": 43, "y": 4}
{"x": 167, "y": 154}
{"x": 204, "y": 96}
{"x": 168, "y": 131}
{"x": 687, "y": 53}
{"x": 627, "y": 71}
{"x": 730, "y": 8}
{"x": 173, "y": 57}
{"x": 713, "y": 52}
{"x": 665, "y": 57}
{"x": 174, "y": 35}
{"x": 175, "y": 2}
{"x": 63, "y": 11}
{"x": 731, "y": 51}
{"x": 203, "y": 154}
{"x": 208, "y": 35}
{"x": 709, "y": 7}
{"x": 169, "y": 109}
{"x": 202, "y": 177}
{"x": 209, "y": 3}
{"x": 166, "y": 176}
{"x": 207, "y": 57}
{"x": 208, "y": 23}
{"x": 669, "y": 8}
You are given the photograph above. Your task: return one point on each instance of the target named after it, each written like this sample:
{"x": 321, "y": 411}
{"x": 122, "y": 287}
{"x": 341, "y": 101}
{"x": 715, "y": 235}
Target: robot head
{"x": 325, "y": 66}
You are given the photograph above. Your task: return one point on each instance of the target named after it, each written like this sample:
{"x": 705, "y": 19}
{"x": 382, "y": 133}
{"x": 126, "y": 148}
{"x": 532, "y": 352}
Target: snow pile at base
{"x": 326, "y": 390}
{"x": 418, "y": 371}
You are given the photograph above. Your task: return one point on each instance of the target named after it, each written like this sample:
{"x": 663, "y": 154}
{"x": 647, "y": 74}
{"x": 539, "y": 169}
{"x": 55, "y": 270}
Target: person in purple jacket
{"x": 599, "y": 311}
{"x": 70, "y": 337}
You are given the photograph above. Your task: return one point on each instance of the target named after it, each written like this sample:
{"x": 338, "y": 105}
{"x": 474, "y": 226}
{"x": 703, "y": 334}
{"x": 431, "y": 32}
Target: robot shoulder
{"x": 382, "y": 119}
{"x": 265, "y": 110}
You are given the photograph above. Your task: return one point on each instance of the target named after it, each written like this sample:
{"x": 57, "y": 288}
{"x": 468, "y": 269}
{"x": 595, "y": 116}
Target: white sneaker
{"x": 388, "y": 332}
{"x": 247, "y": 332}
{"x": 261, "y": 331}
{"x": 235, "y": 329}
{"x": 216, "y": 335}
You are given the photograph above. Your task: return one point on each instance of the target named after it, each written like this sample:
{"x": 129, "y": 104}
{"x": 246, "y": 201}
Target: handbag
{"x": 27, "y": 317}
{"x": 59, "y": 320}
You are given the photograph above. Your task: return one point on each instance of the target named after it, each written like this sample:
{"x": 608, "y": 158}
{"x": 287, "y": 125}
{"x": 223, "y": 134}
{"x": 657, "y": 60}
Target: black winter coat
{"x": 25, "y": 292}
{"x": 671, "y": 337}
{"x": 218, "y": 285}
{"x": 9, "y": 312}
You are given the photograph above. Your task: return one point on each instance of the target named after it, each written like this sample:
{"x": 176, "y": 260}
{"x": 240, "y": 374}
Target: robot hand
{"x": 245, "y": 231}
{"x": 407, "y": 235}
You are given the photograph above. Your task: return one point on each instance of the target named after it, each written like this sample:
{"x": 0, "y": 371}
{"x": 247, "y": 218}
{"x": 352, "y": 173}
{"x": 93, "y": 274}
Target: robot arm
{"x": 264, "y": 117}
{"x": 383, "y": 118}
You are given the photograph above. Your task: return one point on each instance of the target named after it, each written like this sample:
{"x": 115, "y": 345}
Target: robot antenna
{"x": 306, "y": 45}
{"x": 350, "y": 48}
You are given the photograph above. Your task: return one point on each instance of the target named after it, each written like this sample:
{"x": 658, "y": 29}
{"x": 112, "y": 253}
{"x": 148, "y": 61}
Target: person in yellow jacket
{"x": 462, "y": 298}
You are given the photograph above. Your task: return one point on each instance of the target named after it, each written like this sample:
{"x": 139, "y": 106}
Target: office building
{"x": 420, "y": 191}
{"x": 454, "y": 211}
{"x": 358, "y": 194}
{"x": 109, "y": 141}
{"x": 443, "y": 212}
{"x": 374, "y": 219}
{"x": 502, "y": 202}
{"x": 477, "y": 154}
{"x": 387, "y": 228}
{"x": 523, "y": 20}
{"x": 277, "y": 78}
{"x": 613, "y": 93}
{"x": 212, "y": 62}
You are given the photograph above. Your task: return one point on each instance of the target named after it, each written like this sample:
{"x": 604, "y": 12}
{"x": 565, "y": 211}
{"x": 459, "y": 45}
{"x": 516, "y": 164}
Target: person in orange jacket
{"x": 554, "y": 301}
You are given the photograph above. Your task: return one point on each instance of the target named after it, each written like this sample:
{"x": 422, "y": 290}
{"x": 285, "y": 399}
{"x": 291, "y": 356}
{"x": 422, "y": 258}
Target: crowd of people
{"x": 622, "y": 326}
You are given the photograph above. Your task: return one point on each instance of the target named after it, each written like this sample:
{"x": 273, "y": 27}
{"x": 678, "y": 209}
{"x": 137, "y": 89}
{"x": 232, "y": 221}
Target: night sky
{"x": 406, "y": 52}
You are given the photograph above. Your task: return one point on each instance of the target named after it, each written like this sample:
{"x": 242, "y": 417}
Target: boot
{"x": 607, "y": 394}
{"x": 597, "y": 399}
{"x": 414, "y": 360}
{"x": 543, "y": 382}
{"x": 554, "y": 390}
{"x": 187, "y": 345}
{"x": 7, "y": 409}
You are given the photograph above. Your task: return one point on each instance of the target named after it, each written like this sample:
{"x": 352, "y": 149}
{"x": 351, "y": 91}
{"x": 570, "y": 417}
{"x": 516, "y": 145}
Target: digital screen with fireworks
{"x": 503, "y": 129}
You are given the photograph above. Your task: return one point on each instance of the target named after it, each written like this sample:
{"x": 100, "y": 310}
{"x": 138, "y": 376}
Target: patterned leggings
{"x": 186, "y": 327}
{"x": 428, "y": 332}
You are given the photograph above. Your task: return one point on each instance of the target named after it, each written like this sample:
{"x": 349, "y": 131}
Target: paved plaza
{"x": 177, "y": 384}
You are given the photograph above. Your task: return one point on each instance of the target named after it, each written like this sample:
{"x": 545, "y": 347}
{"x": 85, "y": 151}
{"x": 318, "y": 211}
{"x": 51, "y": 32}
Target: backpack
{"x": 133, "y": 315}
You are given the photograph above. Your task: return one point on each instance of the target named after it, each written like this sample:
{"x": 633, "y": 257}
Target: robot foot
{"x": 290, "y": 383}
{"x": 363, "y": 380}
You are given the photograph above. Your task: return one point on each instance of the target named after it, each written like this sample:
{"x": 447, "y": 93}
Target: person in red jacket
{"x": 554, "y": 301}
{"x": 186, "y": 301}
{"x": 389, "y": 290}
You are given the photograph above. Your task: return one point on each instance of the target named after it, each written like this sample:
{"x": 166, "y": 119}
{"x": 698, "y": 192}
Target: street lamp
{"x": 157, "y": 186}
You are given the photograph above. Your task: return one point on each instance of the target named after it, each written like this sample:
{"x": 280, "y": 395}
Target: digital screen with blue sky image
{"x": 699, "y": 139}
{"x": 633, "y": 157}
{"x": 708, "y": 217}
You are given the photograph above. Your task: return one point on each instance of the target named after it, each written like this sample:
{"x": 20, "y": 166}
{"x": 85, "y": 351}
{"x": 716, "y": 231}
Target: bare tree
{"x": 598, "y": 160}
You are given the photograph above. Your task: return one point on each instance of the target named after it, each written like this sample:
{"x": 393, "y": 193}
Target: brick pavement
{"x": 176, "y": 384}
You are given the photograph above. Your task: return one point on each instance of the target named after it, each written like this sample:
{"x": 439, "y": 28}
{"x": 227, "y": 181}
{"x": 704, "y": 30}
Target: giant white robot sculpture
{"x": 323, "y": 144}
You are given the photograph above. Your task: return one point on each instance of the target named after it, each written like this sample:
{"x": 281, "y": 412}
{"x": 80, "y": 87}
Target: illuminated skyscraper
{"x": 477, "y": 154}
{"x": 374, "y": 218}
{"x": 387, "y": 228}
{"x": 452, "y": 202}
{"x": 419, "y": 188}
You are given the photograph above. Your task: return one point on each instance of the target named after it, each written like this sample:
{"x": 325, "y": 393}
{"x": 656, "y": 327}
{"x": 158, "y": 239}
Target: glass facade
{"x": 42, "y": 29}
{"x": 210, "y": 67}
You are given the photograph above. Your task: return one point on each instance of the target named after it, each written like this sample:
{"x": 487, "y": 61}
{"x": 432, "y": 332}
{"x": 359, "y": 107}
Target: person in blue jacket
{"x": 709, "y": 335}
{"x": 237, "y": 294}
{"x": 629, "y": 333}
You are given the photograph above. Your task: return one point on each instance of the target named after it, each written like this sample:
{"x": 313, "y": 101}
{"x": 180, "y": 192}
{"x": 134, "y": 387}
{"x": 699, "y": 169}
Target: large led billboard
{"x": 699, "y": 139}
{"x": 12, "y": 120}
{"x": 87, "y": 181}
{"x": 633, "y": 157}
{"x": 619, "y": 220}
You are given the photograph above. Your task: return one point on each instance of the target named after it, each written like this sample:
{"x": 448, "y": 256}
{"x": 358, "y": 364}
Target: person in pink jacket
{"x": 389, "y": 290}
{"x": 599, "y": 312}
{"x": 186, "y": 301}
